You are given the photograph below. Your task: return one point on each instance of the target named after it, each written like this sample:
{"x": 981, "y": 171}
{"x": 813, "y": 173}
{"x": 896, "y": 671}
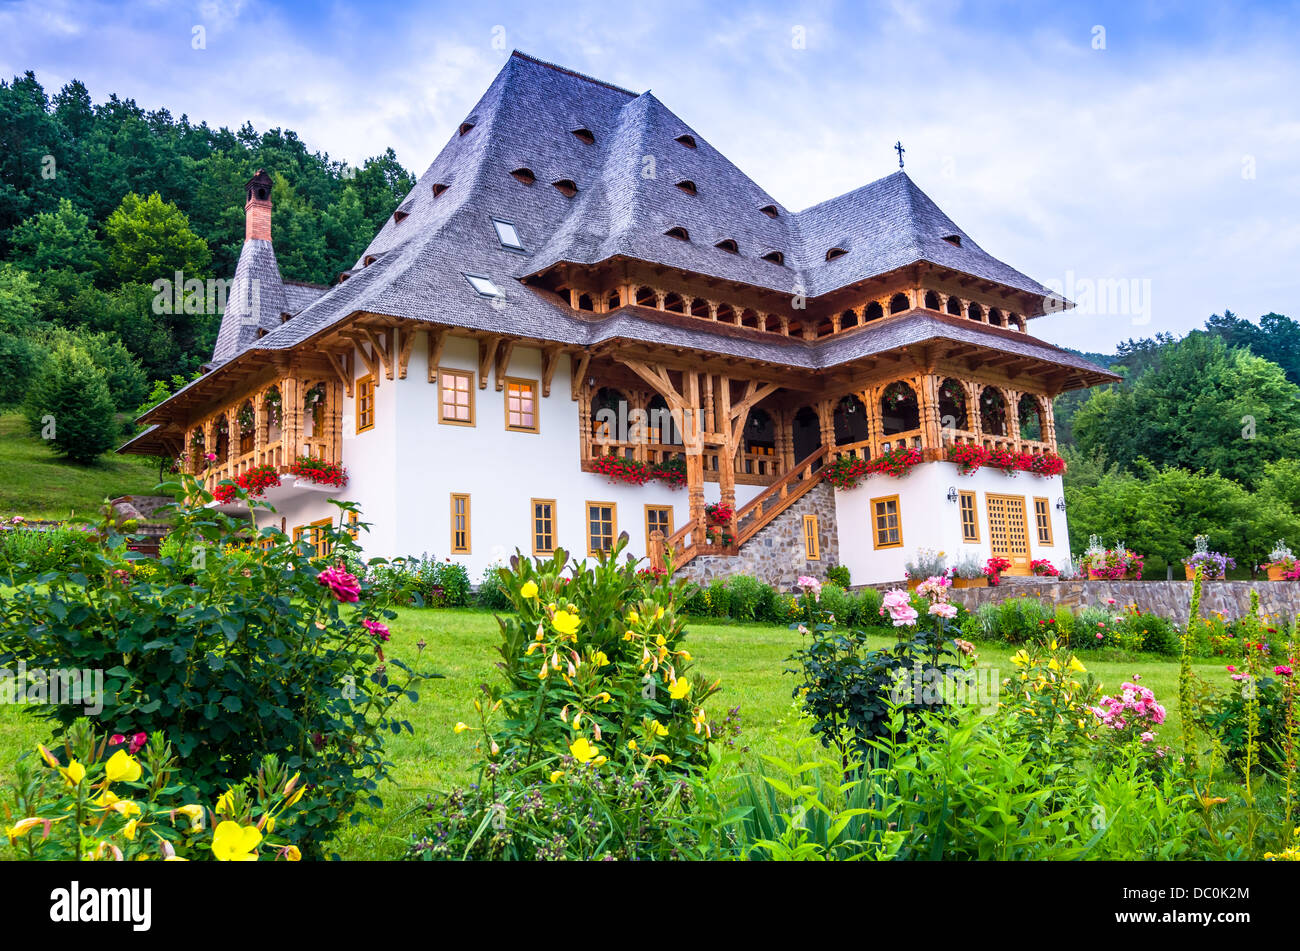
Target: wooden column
{"x": 727, "y": 452}
{"x": 1049, "y": 422}
{"x": 291, "y": 394}
{"x": 973, "y": 404}
{"x": 1013, "y": 417}
{"x": 826, "y": 421}
{"x": 930, "y": 422}
{"x": 693, "y": 441}
{"x": 785, "y": 439}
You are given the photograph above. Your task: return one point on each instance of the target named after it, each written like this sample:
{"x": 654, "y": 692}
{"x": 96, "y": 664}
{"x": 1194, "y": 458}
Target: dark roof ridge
{"x": 570, "y": 72}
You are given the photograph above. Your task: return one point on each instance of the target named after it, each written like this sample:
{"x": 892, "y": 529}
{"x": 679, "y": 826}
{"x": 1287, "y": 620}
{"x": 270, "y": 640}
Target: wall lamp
{"x": 952, "y": 493}
{"x": 1060, "y": 505}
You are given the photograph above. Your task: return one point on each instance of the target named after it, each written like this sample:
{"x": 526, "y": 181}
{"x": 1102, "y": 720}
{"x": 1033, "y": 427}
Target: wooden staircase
{"x": 753, "y": 517}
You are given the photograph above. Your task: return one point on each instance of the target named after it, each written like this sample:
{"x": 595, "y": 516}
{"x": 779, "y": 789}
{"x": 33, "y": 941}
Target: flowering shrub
{"x": 717, "y": 528}
{"x": 319, "y": 471}
{"x": 846, "y": 471}
{"x": 994, "y": 567}
{"x": 230, "y": 652}
{"x": 254, "y": 482}
{"x": 1213, "y": 564}
{"x": 1112, "y": 563}
{"x": 968, "y": 457}
{"x": 1042, "y": 566}
{"x": 107, "y": 800}
{"x": 1046, "y": 701}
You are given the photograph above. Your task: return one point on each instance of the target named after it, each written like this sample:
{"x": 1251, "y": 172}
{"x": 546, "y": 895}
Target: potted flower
{"x": 1281, "y": 564}
{"x": 967, "y": 572}
{"x": 1043, "y": 568}
{"x": 927, "y": 563}
{"x": 1214, "y": 565}
{"x": 994, "y": 567}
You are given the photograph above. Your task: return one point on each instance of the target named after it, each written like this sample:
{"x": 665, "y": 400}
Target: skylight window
{"x": 483, "y": 285}
{"x": 585, "y": 135}
{"x": 507, "y": 235}
{"x": 769, "y": 210}
{"x": 686, "y": 140}
{"x": 834, "y": 253}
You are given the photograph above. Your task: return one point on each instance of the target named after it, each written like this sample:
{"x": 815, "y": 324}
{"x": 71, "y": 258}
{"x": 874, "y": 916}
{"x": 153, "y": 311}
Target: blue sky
{"x": 1151, "y": 149}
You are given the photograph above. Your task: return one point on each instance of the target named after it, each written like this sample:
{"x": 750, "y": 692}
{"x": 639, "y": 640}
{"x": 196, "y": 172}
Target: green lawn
{"x": 749, "y": 658}
{"x": 37, "y": 484}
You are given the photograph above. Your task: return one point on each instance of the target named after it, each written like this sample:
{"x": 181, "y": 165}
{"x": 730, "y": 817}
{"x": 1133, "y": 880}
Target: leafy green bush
{"x": 839, "y": 603}
{"x": 839, "y": 575}
{"x": 866, "y": 609}
{"x": 38, "y": 551}
{"x": 69, "y": 405}
{"x": 719, "y": 598}
{"x": 747, "y": 596}
{"x": 492, "y": 593}
{"x": 267, "y": 652}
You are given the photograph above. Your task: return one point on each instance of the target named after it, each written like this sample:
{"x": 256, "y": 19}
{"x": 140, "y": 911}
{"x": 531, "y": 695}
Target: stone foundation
{"x": 1171, "y": 599}
{"x": 776, "y": 554}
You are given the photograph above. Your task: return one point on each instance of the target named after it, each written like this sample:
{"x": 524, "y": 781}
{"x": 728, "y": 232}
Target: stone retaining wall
{"x": 1171, "y": 599}
{"x": 776, "y": 554}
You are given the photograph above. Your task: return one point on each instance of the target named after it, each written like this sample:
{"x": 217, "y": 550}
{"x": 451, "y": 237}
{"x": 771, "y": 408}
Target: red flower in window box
{"x": 320, "y": 472}
{"x": 255, "y": 482}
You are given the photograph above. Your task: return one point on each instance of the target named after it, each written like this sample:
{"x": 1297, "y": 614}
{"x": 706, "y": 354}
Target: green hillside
{"x": 35, "y": 484}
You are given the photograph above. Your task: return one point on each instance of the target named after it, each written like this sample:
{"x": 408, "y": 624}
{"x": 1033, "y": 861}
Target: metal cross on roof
{"x": 898, "y": 147}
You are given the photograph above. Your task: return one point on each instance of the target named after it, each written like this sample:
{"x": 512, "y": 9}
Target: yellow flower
{"x": 292, "y": 854}
{"x": 658, "y": 729}
{"x": 1020, "y": 658}
{"x": 194, "y": 814}
{"x": 603, "y": 696}
{"x": 566, "y": 623}
{"x": 600, "y": 660}
{"x": 1077, "y": 667}
{"x": 460, "y": 728}
{"x": 631, "y": 744}
{"x": 232, "y": 842}
{"x": 1052, "y": 645}
{"x": 660, "y": 757}
{"x": 556, "y": 774}
{"x": 126, "y": 808}
{"x": 294, "y": 797}
{"x": 122, "y": 768}
{"x": 74, "y": 773}
{"x": 583, "y": 751}
{"x": 633, "y": 617}
{"x": 659, "y": 613}
{"x": 226, "y": 803}
{"x": 49, "y": 758}
{"x": 105, "y": 799}
{"x": 679, "y": 688}
{"x": 129, "y": 831}
{"x": 21, "y": 828}
{"x": 684, "y": 655}
{"x": 529, "y": 590}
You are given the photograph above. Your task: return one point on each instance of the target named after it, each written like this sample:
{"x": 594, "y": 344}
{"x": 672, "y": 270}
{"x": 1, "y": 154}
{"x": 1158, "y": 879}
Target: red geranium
{"x": 319, "y": 471}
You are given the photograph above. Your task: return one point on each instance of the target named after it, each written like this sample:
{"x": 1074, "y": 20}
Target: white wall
{"x": 929, "y": 520}
{"x": 404, "y": 471}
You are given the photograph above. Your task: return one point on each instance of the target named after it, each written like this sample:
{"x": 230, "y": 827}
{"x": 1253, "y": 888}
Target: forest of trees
{"x": 97, "y": 201}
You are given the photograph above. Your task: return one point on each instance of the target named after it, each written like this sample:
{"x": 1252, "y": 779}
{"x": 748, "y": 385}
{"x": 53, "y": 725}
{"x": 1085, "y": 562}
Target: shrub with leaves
{"x": 230, "y": 651}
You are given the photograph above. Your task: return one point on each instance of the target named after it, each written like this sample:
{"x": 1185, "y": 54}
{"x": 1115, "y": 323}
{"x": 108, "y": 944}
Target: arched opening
{"x": 993, "y": 412}
{"x": 1015, "y": 320}
{"x": 995, "y": 318}
{"x": 566, "y": 187}
{"x": 769, "y": 210}
{"x": 952, "y": 405}
{"x": 848, "y": 319}
{"x": 613, "y": 301}
{"x": 688, "y": 186}
{"x": 825, "y": 328}
{"x": 954, "y": 306}
{"x": 585, "y": 136}
{"x": 899, "y": 408}
{"x": 686, "y": 140}
{"x": 899, "y": 303}
{"x": 729, "y": 245}
{"x": 772, "y": 323}
{"x": 700, "y": 308}
{"x": 834, "y": 253}
{"x": 273, "y": 413}
{"x": 313, "y": 411}
{"x": 660, "y": 423}
{"x": 726, "y": 314}
{"x": 645, "y": 297}
{"x": 524, "y": 176}
{"x": 222, "y": 447}
{"x": 748, "y": 317}
{"x": 1031, "y": 418}
{"x": 609, "y": 408}
{"x": 760, "y": 433}
{"x": 681, "y": 234}
{"x": 975, "y": 311}
{"x": 585, "y": 302}
{"x": 851, "y": 424}
{"x": 873, "y": 312}
{"x": 673, "y": 303}
{"x": 776, "y": 257}
{"x": 807, "y": 433}
{"x": 931, "y": 300}
{"x": 247, "y": 420}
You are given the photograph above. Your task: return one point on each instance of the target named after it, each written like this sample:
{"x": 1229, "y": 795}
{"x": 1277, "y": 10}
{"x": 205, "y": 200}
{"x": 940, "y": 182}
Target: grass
{"x": 38, "y": 484}
{"x": 750, "y": 658}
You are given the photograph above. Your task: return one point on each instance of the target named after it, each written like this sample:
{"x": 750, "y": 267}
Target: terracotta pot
{"x": 1095, "y": 575}
{"x": 980, "y": 582}
{"x": 912, "y": 583}
{"x": 1277, "y": 574}
{"x": 1191, "y": 574}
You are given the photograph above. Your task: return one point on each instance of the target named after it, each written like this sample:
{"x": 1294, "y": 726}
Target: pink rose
{"x": 343, "y": 585}
{"x": 137, "y": 743}
{"x": 116, "y": 739}
{"x": 944, "y": 609}
{"x": 377, "y": 628}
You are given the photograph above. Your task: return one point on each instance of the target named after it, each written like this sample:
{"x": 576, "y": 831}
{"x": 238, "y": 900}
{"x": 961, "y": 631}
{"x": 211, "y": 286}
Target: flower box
{"x": 1276, "y": 573}
{"x": 980, "y": 582}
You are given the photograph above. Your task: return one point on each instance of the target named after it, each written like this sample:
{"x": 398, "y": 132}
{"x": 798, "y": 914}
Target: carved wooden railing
{"x": 759, "y": 511}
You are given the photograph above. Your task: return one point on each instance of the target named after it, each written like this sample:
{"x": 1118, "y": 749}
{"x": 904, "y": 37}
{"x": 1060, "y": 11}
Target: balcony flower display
{"x": 672, "y": 471}
{"x": 968, "y": 458}
{"x": 621, "y": 469}
{"x": 845, "y": 472}
{"x": 255, "y": 482}
{"x": 1213, "y": 564}
{"x": 320, "y": 472}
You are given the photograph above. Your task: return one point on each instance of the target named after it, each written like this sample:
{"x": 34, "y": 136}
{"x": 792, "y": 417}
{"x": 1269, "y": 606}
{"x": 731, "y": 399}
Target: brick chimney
{"x": 257, "y": 209}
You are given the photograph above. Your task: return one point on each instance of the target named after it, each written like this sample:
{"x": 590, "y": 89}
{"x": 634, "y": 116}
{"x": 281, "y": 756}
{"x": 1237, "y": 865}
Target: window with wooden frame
{"x": 543, "y": 526}
{"x": 456, "y": 397}
{"x": 521, "y": 405}
{"x": 316, "y": 533}
{"x": 365, "y": 403}
{"x": 658, "y": 518}
{"x": 602, "y": 526}
{"x": 811, "y": 539}
{"x": 459, "y": 523}
{"x": 1043, "y": 521}
{"x": 886, "y": 524}
{"x": 970, "y": 526}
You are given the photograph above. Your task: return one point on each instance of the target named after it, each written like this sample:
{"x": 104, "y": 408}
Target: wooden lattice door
{"x": 1009, "y": 531}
